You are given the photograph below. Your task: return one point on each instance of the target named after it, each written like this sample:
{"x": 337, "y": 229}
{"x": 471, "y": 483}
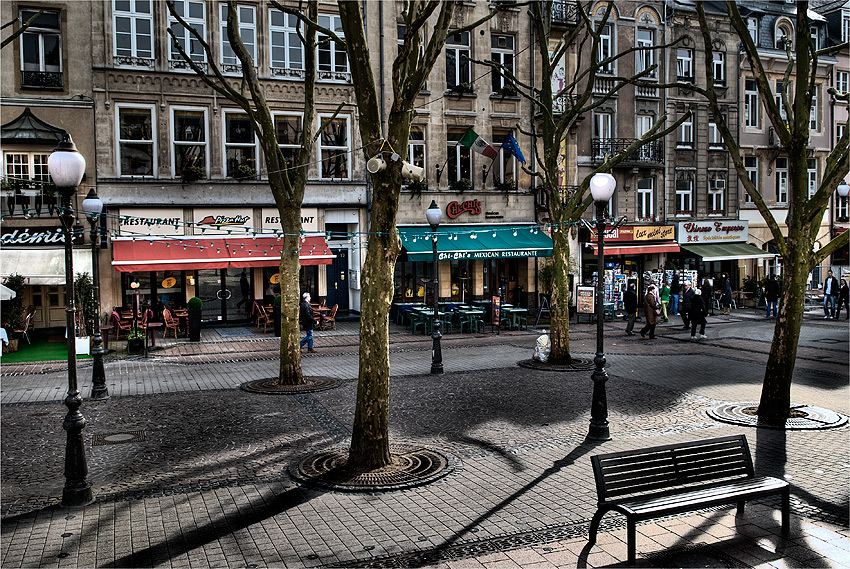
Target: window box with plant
{"x": 460, "y": 89}
{"x": 506, "y": 91}
{"x": 506, "y": 186}
{"x": 460, "y": 186}
{"x": 193, "y": 174}
{"x": 244, "y": 172}
{"x": 136, "y": 341}
{"x": 416, "y": 188}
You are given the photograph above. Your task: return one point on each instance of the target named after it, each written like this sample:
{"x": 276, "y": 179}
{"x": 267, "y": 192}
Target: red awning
{"x": 188, "y": 254}
{"x": 638, "y": 249}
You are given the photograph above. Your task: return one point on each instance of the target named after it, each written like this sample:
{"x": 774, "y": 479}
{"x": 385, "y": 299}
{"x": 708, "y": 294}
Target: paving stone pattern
{"x": 203, "y": 480}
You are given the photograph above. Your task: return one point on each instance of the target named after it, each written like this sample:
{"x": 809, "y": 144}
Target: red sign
{"x": 454, "y": 209}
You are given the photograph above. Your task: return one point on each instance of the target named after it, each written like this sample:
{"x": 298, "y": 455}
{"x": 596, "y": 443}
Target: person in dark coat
{"x": 830, "y": 295}
{"x": 675, "y": 289}
{"x": 305, "y": 315}
{"x": 726, "y": 293}
{"x": 631, "y": 304}
{"x": 707, "y": 293}
{"x": 687, "y": 295}
{"x": 698, "y": 312}
{"x": 771, "y": 296}
{"x": 245, "y": 289}
{"x": 651, "y": 307}
{"x": 843, "y": 300}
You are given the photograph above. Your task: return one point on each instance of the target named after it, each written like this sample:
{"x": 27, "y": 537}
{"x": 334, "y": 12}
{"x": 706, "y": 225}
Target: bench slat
{"x": 700, "y": 498}
{"x": 644, "y": 484}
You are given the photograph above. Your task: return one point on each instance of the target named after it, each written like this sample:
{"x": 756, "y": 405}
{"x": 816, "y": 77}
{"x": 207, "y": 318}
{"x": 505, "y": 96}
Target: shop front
{"x": 476, "y": 262}
{"x": 716, "y": 247}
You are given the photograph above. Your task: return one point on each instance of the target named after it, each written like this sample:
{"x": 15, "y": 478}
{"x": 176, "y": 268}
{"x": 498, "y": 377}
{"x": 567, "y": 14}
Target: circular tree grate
{"x": 577, "y": 364}
{"x": 270, "y": 386}
{"x": 803, "y": 417}
{"x": 411, "y": 466}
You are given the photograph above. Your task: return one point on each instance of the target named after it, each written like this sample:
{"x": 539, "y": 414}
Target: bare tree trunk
{"x": 290, "y": 352}
{"x": 560, "y": 307}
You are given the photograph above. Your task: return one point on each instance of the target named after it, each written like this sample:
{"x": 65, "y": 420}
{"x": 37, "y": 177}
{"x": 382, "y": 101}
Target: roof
{"x": 29, "y": 129}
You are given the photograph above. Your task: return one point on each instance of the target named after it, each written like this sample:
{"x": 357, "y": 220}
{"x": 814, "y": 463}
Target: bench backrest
{"x": 656, "y": 469}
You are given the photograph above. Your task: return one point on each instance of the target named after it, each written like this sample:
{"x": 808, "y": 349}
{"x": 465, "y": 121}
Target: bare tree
{"x": 287, "y": 182}
{"x": 805, "y": 212}
{"x": 20, "y": 30}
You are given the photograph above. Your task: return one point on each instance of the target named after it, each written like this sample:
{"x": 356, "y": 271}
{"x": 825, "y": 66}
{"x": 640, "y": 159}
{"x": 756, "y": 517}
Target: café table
{"x": 515, "y": 315}
{"x": 470, "y": 317}
{"x": 150, "y": 332}
{"x": 321, "y": 310}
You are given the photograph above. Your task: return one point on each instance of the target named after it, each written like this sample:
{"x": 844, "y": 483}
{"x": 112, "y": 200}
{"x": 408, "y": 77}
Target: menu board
{"x": 585, "y": 300}
{"x": 496, "y": 312}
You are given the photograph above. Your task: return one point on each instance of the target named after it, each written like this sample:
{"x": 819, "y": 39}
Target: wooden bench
{"x": 658, "y": 481}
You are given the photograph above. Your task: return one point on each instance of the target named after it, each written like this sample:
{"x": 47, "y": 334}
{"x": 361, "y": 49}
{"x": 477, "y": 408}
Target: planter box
{"x": 136, "y": 346}
{"x": 83, "y": 346}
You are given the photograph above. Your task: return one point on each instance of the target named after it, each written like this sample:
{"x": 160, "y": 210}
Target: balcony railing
{"x": 649, "y": 153}
{"x": 564, "y": 13}
{"x": 29, "y": 198}
{"x": 541, "y": 197}
{"x": 42, "y": 79}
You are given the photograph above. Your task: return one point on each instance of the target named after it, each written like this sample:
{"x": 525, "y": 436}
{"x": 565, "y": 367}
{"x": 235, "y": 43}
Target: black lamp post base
{"x": 77, "y": 497}
{"x": 598, "y": 432}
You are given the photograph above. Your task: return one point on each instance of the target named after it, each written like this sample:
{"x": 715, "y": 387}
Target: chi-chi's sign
{"x": 640, "y": 233}
{"x": 454, "y": 209}
{"x": 713, "y": 231}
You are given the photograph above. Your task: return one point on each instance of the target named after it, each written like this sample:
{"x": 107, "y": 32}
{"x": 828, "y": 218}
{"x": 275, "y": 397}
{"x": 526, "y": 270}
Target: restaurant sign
{"x": 37, "y": 237}
{"x": 165, "y": 221}
{"x": 309, "y": 219}
{"x": 713, "y": 231}
{"x": 223, "y": 221}
{"x": 507, "y": 254}
{"x": 640, "y": 233}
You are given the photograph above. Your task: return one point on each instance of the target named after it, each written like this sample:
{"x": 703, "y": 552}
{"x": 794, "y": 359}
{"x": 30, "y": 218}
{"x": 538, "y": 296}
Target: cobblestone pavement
{"x": 202, "y": 478}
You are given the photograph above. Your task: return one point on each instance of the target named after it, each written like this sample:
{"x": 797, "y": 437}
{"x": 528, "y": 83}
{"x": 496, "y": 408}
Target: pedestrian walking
{"x": 651, "y": 310}
{"x": 665, "y": 298}
{"x": 245, "y": 289}
{"x": 830, "y": 295}
{"x": 726, "y": 293}
{"x": 707, "y": 293}
{"x": 631, "y": 303}
{"x": 771, "y": 296}
{"x": 698, "y": 312}
{"x": 687, "y": 295}
{"x": 843, "y": 300}
{"x": 305, "y": 315}
{"x": 675, "y": 290}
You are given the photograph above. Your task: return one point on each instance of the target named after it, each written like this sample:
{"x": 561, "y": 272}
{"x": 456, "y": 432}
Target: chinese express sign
{"x": 713, "y": 231}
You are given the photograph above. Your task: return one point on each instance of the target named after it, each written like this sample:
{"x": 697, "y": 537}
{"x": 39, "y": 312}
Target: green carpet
{"x": 41, "y": 350}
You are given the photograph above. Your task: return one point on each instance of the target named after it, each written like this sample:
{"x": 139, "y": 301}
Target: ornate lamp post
{"x": 601, "y": 188}
{"x": 434, "y": 215}
{"x": 66, "y": 167}
{"x": 93, "y": 206}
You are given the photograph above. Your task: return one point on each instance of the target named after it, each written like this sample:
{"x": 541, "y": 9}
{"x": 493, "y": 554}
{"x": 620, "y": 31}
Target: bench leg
{"x": 741, "y": 505}
{"x": 594, "y": 526}
{"x": 786, "y": 510}
{"x": 630, "y": 541}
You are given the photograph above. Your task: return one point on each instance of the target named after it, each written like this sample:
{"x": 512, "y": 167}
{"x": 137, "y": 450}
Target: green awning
{"x": 475, "y": 242}
{"x": 724, "y": 251}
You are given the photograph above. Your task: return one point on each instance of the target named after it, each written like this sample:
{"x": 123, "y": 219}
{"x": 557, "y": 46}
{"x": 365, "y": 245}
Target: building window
{"x": 686, "y": 134}
{"x": 782, "y": 180}
{"x": 416, "y": 146}
{"x": 812, "y": 176}
{"x": 715, "y": 139}
{"x": 684, "y": 194}
{"x": 645, "y": 56}
{"x": 402, "y": 33}
{"x": 289, "y": 128}
{"x": 751, "y": 165}
{"x": 753, "y": 29}
{"x": 287, "y": 51}
{"x": 751, "y": 103}
{"x": 194, "y": 13}
{"x": 457, "y": 62}
{"x": 334, "y": 149}
{"x": 25, "y": 174}
{"x": 133, "y": 24}
{"x": 504, "y": 166}
{"x": 813, "y": 33}
{"x": 839, "y": 131}
{"x": 841, "y": 209}
{"x": 41, "y": 51}
{"x": 784, "y": 36}
{"x": 719, "y": 68}
{"x": 645, "y": 199}
{"x": 459, "y": 157}
{"x": 240, "y": 146}
{"x": 189, "y": 138}
{"x": 603, "y": 133}
{"x": 247, "y": 22}
{"x": 716, "y": 190}
{"x": 332, "y": 58}
{"x": 503, "y": 54}
{"x": 842, "y": 81}
{"x": 814, "y": 111}
{"x": 605, "y": 49}
{"x": 685, "y": 65}
{"x": 779, "y": 97}
{"x": 845, "y": 25}
{"x": 136, "y": 138}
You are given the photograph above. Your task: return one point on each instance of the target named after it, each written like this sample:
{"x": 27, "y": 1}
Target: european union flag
{"x": 510, "y": 144}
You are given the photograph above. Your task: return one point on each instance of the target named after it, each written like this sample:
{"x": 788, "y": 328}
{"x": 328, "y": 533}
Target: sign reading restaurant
{"x": 713, "y": 231}
{"x": 512, "y": 254}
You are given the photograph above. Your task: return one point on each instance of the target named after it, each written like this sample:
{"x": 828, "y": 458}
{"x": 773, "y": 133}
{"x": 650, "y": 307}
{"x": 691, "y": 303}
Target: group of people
{"x": 693, "y": 304}
{"x": 835, "y": 295}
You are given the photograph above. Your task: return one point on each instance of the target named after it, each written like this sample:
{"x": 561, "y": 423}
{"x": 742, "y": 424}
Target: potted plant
{"x": 276, "y": 315}
{"x": 195, "y": 305}
{"x": 192, "y": 173}
{"x": 87, "y": 316}
{"x": 416, "y": 188}
{"x": 136, "y": 340}
{"x": 507, "y": 91}
{"x": 506, "y": 186}
{"x": 460, "y": 186}
{"x": 244, "y": 172}
{"x": 461, "y": 88}
{"x": 13, "y": 311}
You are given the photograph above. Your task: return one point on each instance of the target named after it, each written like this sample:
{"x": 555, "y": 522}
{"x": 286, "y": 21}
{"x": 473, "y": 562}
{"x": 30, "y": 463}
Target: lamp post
{"x": 434, "y": 215}
{"x": 843, "y": 189}
{"x": 601, "y": 188}
{"x": 92, "y": 207}
{"x": 66, "y": 167}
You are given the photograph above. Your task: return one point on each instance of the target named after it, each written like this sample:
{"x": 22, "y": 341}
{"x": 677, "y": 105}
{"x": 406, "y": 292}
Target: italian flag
{"x": 478, "y": 144}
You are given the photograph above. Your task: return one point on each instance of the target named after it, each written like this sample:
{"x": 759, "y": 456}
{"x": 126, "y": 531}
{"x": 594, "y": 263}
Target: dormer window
{"x": 784, "y": 35}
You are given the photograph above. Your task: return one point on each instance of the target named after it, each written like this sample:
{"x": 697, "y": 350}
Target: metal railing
{"x": 42, "y": 79}
{"x": 649, "y": 153}
{"x": 29, "y": 198}
{"x": 564, "y": 13}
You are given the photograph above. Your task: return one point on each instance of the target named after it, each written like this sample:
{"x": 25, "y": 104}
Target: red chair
{"x": 262, "y": 317}
{"x": 331, "y": 318}
{"x": 120, "y": 326}
{"x": 171, "y": 323}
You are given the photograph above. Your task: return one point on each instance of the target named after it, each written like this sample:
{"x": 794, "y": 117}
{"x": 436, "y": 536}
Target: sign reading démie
{"x": 36, "y": 237}
{"x": 734, "y": 231}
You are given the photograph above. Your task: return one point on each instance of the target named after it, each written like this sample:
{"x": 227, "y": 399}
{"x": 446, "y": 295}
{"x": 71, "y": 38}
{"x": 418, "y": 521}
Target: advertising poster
{"x": 585, "y": 300}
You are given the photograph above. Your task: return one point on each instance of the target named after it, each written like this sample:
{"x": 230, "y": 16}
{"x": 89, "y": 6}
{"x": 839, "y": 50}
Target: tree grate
{"x": 803, "y": 417}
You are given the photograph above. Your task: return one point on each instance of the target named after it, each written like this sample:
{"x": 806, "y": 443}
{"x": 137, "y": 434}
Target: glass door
{"x": 222, "y": 293}
{"x": 211, "y": 289}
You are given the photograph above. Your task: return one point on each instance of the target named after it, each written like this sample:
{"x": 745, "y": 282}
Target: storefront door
{"x": 221, "y": 291}
{"x": 337, "y": 273}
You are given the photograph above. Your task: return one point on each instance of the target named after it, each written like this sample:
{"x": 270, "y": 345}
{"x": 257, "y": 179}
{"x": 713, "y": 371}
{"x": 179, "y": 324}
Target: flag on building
{"x": 510, "y": 144}
{"x": 478, "y": 144}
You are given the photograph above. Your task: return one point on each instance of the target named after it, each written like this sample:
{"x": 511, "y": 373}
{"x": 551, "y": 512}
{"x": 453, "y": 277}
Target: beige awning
{"x": 42, "y": 266}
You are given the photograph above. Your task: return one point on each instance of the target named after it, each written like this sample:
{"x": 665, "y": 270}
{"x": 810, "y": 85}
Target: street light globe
{"x": 92, "y": 205}
{"x": 602, "y": 187}
{"x": 434, "y": 214}
{"x": 843, "y": 189}
{"x": 65, "y": 165}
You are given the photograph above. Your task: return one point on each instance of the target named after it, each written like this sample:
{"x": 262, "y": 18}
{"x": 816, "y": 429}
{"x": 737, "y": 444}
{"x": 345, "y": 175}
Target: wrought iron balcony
{"x": 564, "y": 13}
{"x": 651, "y": 153}
{"x": 541, "y": 197}
{"x": 29, "y": 198}
{"x": 42, "y": 79}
